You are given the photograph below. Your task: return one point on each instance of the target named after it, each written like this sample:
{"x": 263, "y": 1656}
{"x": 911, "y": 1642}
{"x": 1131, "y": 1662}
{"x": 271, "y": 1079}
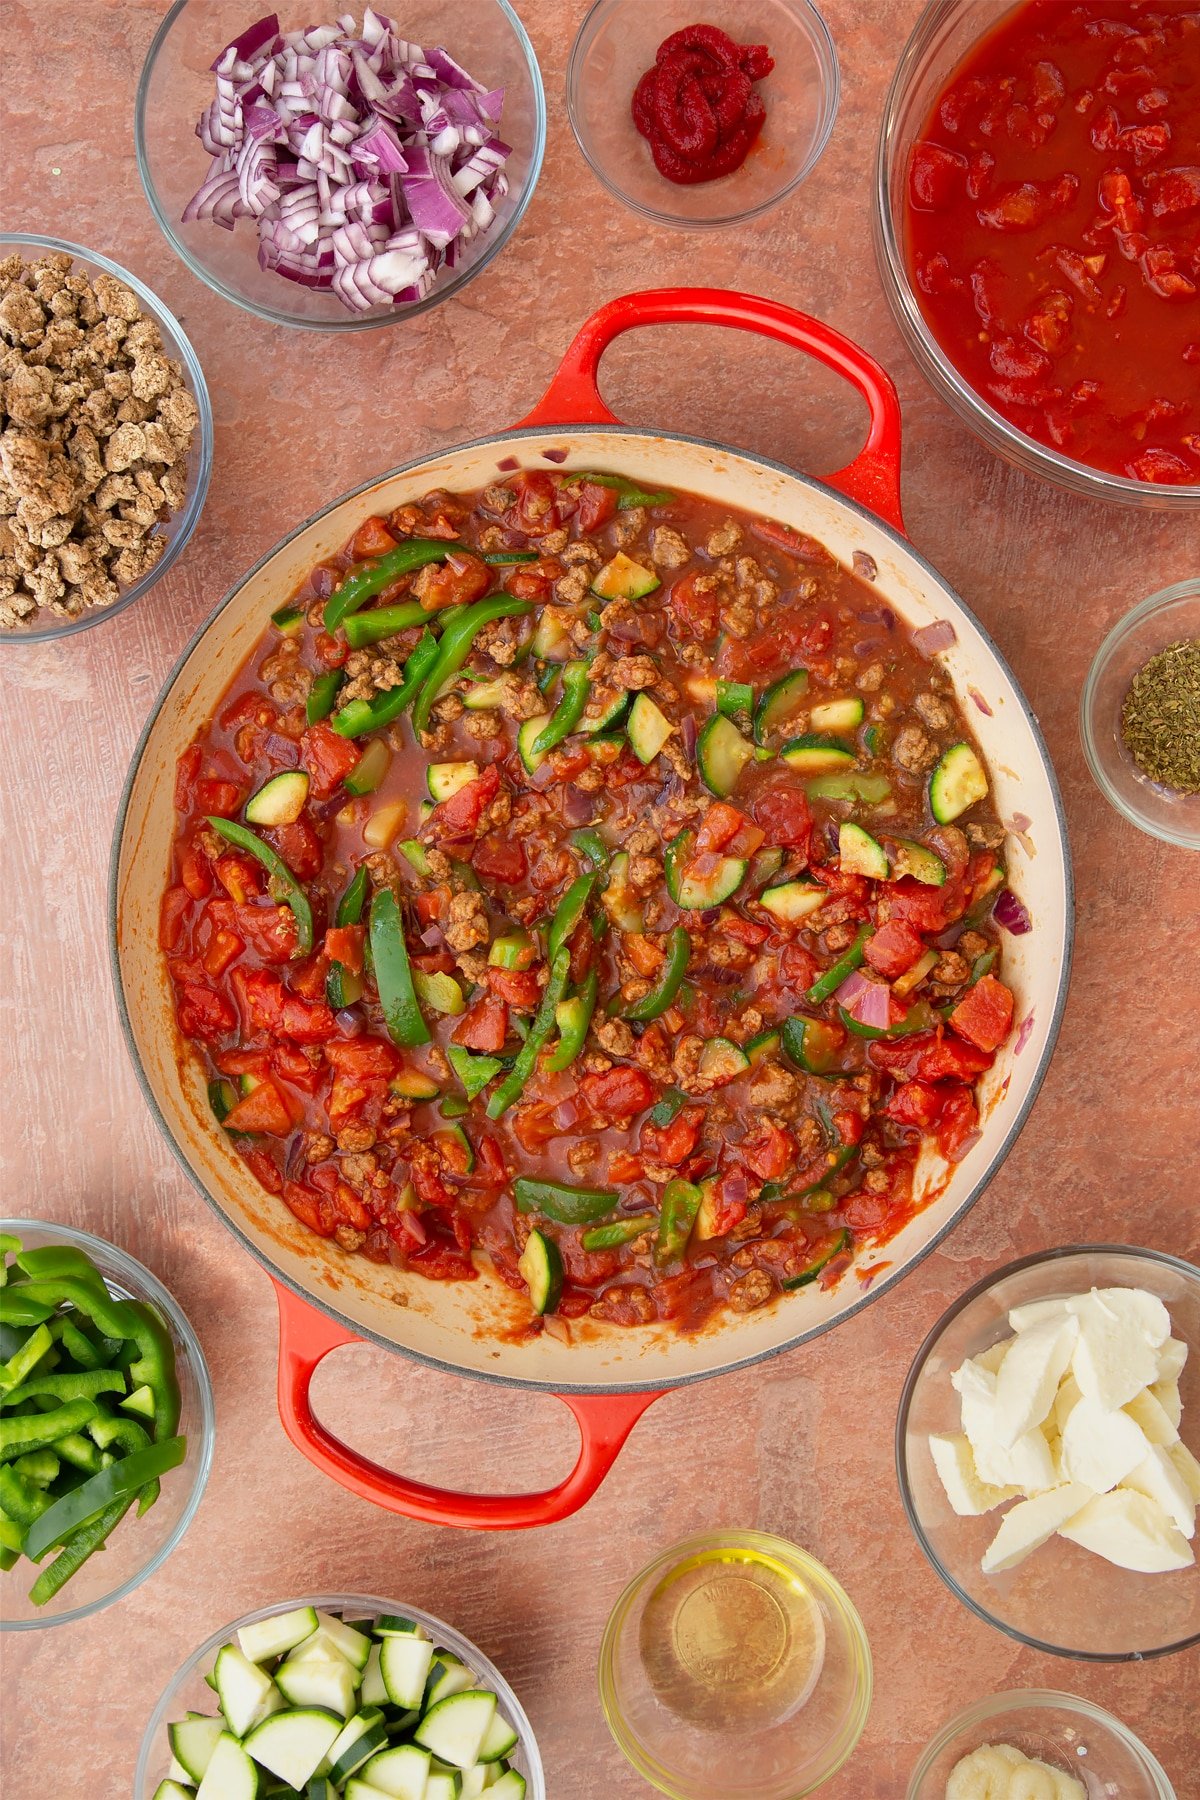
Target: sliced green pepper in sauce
{"x": 568, "y": 913}
{"x": 669, "y": 1107}
{"x": 573, "y": 1017}
{"x": 359, "y": 716}
{"x": 455, "y": 647}
{"x": 577, "y": 686}
{"x": 282, "y": 886}
{"x": 503, "y": 1096}
{"x": 503, "y": 559}
{"x": 833, "y": 978}
{"x": 839, "y": 1242}
{"x": 384, "y": 622}
{"x": 592, "y": 846}
{"x": 370, "y": 578}
{"x": 661, "y": 995}
{"x": 393, "y": 975}
{"x": 322, "y": 694}
{"x": 565, "y": 1205}
{"x": 621, "y": 1231}
{"x": 350, "y": 906}
{"x": 680, "y": 1204}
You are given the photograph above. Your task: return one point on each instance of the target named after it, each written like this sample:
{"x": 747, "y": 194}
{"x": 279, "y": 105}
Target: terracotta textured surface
{"x": 802, "y": 1445}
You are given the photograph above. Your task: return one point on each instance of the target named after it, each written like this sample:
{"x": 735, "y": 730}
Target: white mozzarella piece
{"x": 1099, "y": 1447}
{"x": 1171, "y": 1359}
{"x": 1067, "y": 1397}
{"x": 1029, "y": 1524}
{"x": 1029, "y": 1376}
{"x": 1166, "y": 1392}
{"x": 1159, "y": 1479}
{"x": 1152, "y": 1418}
{"x": 1188, "y": 1467}
{"x": 955, "y": 1463}
{"x": 1027, "y": 1464}
{"x": 1113, "y": 1359}
{"x": 1129, "y": 1530}
{"x": 1036, "y": 1312}
{"x": 976, "y": 1389}
{"x": 991, "y": 1358}
{"x": 1133, "y": 1306}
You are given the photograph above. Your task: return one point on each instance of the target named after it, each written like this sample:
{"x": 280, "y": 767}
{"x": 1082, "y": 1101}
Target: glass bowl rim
{"x": 815, "y": 1571}
{"x": 460, "y": 279}
{"x": 997, "y": 432}
{"x": 1162, "y": 601}
{"x": 936, "y": 1331}
{"x": 1037, "y": 1699}
{"x": 829, "y": 68}
{"x": 148, "y": 1286}
{"x": 369, "y": 1603}
{"x": 188, "y": 514}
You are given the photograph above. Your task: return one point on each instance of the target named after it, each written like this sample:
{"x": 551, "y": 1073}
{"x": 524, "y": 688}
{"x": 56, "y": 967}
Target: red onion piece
{"x": 577, "y": 806}
{"x": 867, "y": 1002}
{"x": 864, "y": 565}
{"x": 687, "y": 734}
{"x": 1009, "y": 912}
{"x": 507, "y": 464}
{"x": 980, "y": 702}
{"x": 411, "y": 1222}
{"x": 565, "y": 1114}
{"x": 932, "y": 638}
{"x": 431, "y": 937}
{"x": 1025, "y": 1033}
{"x": 555, "y": 456}
{"x": 968, "y": 1144}
{"x": 1020, "y": 822}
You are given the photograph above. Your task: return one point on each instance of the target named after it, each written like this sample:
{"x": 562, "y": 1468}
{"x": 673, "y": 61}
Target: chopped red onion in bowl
{"x": 368, "y": 163}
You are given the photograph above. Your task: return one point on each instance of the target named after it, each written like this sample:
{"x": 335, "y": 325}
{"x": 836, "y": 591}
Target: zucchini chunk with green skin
{"x": 279, "y": 801}
{"x": 837, "y": 715}
{"x": 762, "y": 1046}
{"x": 813, "y": 754}
{"x": 852, "y": 785}
{"x": 359, "y": 1740}
{"x": 624, "y": 579}
{"x": 445, "y": 778}
{"x": 402, "y": 1772}
{"x": 792, "y": 901}
{"x": 915, "y": 860}
{"x": 454, "y": 1729}
{"x": 696, "y": 892}
{"x": 778, "y": 703}
{"x": 608, "y": 715}
{"x": 839, "y": 1242}
{"x": 542, "y": 1266}
{"x": 527, "y": 736}
{"x": 404, "y": 1663}
{"x": 293, "y": 1745}
{"x": 551, "y": 641}
{"x": 722, "y": 753}
{"x": 230, "y": 1775}
{"x": 414, "y": 1084}
{"x": 511, "y": 1786}
{"x": 288, "y": 620}
{"x": 275, "y": 1636}
{"x": 958, "y": 782}
{"x": 370, "y": 769}
{"x": 499, "y": 1738}
{"x": 172, "y": 1790}
{"x": 246, "y": 1692}
{"x": 860, "y": 854}
{"x": 619, "y": 900}
{"x": 813, "y": 1045}
{"x": 705, "y": 1226}
{"x": 611, "y": 1237}
{"x": 439, "y": 992}
{"x": 482, "y": 696}
{"x": 648, "y": 729}
{"x": 193, "y": 1741}
{"x": 721, "y": 1061}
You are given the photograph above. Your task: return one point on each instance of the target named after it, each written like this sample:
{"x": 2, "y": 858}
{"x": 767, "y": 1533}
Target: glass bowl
{"x": 1073, "y": 1735}
{"x": 181, "y": 524}
{"x": 177, "y": 83}
{"x": 138, "y": 1547}
{"x": 615, "y": 46}
{"x": 1162, "y": 620}
{"x": 1061, "y": 1599}
{"x": 945, "y": 32}
{"x": 187, "y": 1690}
{"x": 734, "y": 1667}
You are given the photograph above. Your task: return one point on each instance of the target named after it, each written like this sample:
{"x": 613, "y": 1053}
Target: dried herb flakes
{"x": 1160, "y": 719}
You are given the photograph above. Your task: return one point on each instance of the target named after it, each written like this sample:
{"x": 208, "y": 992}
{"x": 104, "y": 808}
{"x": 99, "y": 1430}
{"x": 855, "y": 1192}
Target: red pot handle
{"x": 573, "y": 397}
{"x": 306, "y": 1336}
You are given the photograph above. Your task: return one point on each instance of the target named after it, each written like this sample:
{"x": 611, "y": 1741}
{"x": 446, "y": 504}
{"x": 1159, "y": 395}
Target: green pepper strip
{"x": 393, "y": 975}
{"x": 656, "y": 1002}
{"x": 78, "y": 1384}
{"x": 592, "y": 846}
{"x": 630, "y": 493}
{"x": 41, "y": 1467}
{"x": 154, "y": 1367}
{"x": 372, "y": 577}
{"x": 501, "y": 559}
{"x": 115, "y": 1318}
{"x": 384, "y": 622}
{"x": 53, "y": 1260}
{"x": 76, "y": 1550}
{"x": 573, "y": 1017}
{"x": 577, "y": 686}
{"x": 621, "y": 1231}
{"x": 473, "y": 1071}
{"x": 539, "y": 1032}
{"x": 350, "y": 906}
{"x": 455, "y": 647}
{"x": 79, "y": 1451}
{"x": 38, "y": 1344}
{"x": 370, "y": 715}
{"x": 41, "y": 1431}
{"x": 9, "y": 1246}
{"x": 283, "y": 884}
{"x": 77, "y": 1344}
{"x": 121, "y": 1481}
{"x": 680, "y": 1204}
{"x": 16, "y": 1308}
{"x": 833, "y": 978}
{"x": 322, "y": 695}
{"x": 21, "y": 1499}
{"x": 565, "y": 1205}
{"x": 669, "y": 1107}
{"x": 568, "y": 913}
{"x": 820, "y": 1261}
{"x": 917, "y": 1018}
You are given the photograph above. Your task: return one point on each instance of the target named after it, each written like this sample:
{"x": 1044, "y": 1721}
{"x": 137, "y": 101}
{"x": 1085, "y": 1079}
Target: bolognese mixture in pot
{"x": 597, "y": 884}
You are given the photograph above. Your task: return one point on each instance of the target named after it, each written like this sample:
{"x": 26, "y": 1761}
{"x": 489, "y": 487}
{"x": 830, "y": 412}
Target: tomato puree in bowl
{"x": 696, "y": 106}
{"x": 1053, "y": 230}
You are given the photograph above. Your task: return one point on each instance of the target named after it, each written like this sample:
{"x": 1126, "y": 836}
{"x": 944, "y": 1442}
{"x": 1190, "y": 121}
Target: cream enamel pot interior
{"x": 609, "y": 1375}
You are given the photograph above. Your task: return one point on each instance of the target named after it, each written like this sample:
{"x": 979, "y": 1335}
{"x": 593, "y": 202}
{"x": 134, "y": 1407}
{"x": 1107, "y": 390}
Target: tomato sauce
{"x": 1053, "y": 228}
{"x": 686, "y": 1054}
